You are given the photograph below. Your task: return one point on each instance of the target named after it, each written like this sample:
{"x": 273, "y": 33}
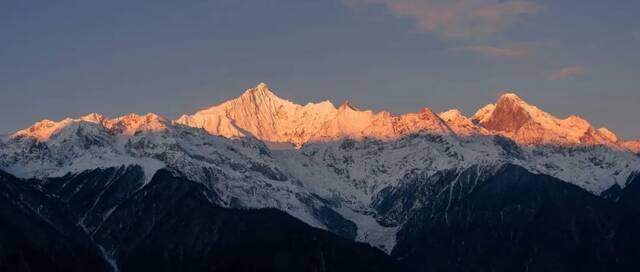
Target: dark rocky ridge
{"x": 37, "y": 233}
{"x": 172, "y": 224}
{"x": 519, "y": 221}
{"x": 507, "y": 220}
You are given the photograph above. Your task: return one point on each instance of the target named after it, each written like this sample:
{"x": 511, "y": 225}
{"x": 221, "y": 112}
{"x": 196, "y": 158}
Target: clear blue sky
{"x": 67, "y": 58}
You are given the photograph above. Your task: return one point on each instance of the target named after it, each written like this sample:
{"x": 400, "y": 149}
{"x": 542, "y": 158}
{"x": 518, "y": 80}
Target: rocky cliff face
{"x": 526, "y": 124}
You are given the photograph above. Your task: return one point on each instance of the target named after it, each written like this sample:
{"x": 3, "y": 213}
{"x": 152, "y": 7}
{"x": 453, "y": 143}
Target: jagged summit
{"x": 527, "y": 124}
{"x": 42, "y": 130}
{"x": 459, "y": 123}
{"x": 510, "y": 96}
{"x": 262, "y": 86}
{"x": 364, "y": 190}
{"x": 260, "y": 90}
{"x": 259, "y": 112}
{"x": 509, "y": 114}
{"x": 93, "y": 117}
{"x": 132, "y": 123}
{"x": 126, "y": 124}
{"x": 346, "y": 105}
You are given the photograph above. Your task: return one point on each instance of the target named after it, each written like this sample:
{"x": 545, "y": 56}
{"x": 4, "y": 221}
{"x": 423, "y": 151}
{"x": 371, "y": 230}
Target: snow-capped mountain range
{"x": 345, "y": 162}
{"x": 259, "y": 112}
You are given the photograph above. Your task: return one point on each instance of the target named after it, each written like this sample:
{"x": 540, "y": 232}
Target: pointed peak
{"x": 509, "y": 114}
{"x": 510, "y": 96}
{"x": 385, "y": 114}
{"x": 510, "y": 105}
{"x": 261, "y": 88}
{"x": 427, "y": 111}
{"x": 347, "y": 105}
{"x": 259, "y": 92}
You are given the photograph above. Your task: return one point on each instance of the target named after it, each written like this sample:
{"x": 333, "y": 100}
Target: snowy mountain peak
{"x": 459, "y": 123}
{"x": 128, "y": 124}
{"x": 509, "y": 114}
{"x": 261, "y": 90}
{"x": 93, "y": 118}
{"x": 262, "y": 86}
{"x": 348, "y": 176}
{"x": 259, "y": 112}
{"x": 132, "y": 123}
{"x": 346, "y": 105}
{"x": 510, "y": 97}
{"x": 608, "y": 134}
{"x": 426, "y": 110}
{"x": 41, "y": 131}
{"x": 452, "y": 114}
{"x": 526, "y": 124}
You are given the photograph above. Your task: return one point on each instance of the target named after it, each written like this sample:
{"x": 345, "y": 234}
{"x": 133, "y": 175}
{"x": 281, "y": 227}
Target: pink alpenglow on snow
{"x": 260, "y": 113}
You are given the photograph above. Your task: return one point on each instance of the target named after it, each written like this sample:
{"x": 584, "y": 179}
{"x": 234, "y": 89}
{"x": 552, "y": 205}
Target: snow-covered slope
{"x": 347, "y": 162}
{"x": 351, "y": 155}
{"x": 259, "y": 112}
{"x": 76, "y": 145}
{"x": 358, "y": 174}
{"x": 527, "y": 124}
{"x": 634, "y": 146}
{"x": 51, "y": 148}
{"x": 366, "y": 167}
{"x": 460, "y": 124}
{"x": 242, "y": 171}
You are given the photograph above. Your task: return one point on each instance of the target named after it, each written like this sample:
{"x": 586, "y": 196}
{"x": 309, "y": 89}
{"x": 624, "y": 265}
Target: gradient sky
{"x": 68, "y": 58}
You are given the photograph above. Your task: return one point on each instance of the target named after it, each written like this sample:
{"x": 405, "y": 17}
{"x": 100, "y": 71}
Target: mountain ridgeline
{"x": 172, "y": 224}
{"x": 259, "y": 183}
